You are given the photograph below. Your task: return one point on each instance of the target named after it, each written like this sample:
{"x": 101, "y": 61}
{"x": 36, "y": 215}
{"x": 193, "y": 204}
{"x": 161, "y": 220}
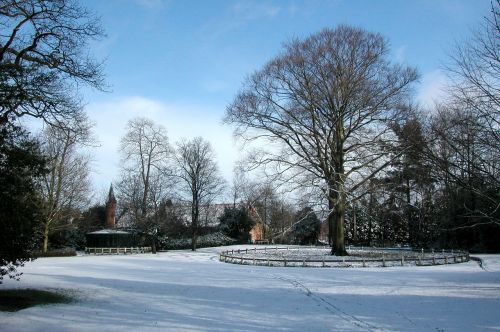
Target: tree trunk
{"x": 45, "y": 238}
{"x": 370, "y": 216}
{"x": 354, "y": 226}
{"x": 411, "y": 225}
{"x": 194, "y": 237}
{"x": 331, "y": 219}
{"x": 153, "y": 244}
{"x": 339, "y": 248}
{"x": 194, "y": 225}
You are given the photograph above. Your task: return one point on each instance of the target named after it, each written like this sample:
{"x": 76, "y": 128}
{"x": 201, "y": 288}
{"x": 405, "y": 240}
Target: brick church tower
{"x": 110, "y": 209}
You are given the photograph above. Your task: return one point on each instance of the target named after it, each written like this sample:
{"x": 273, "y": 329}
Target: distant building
{"x": 110, "y": 209}
{"x": 258, "y": 230}
{"x": 112, "y": 240}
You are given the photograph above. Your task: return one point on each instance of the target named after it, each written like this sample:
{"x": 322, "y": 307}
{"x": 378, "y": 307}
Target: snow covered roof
{"x": 109, "y": 231}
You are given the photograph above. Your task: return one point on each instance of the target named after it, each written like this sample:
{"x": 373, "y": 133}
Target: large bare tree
{"x": 44, "y": 58}
{"x": 65, "y": 189}
{"x": 199, "y": 176}
{"x": 324, "y": 103}
{"x": 145, "y": 172}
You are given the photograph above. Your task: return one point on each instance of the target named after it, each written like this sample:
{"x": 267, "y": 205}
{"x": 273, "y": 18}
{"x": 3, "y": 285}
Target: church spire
{"x": 111, "y": 195}
{"x": 110, "y": 209}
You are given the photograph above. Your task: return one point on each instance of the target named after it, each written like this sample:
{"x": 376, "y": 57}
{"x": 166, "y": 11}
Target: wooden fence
{"x": 406, "y": 258}
{"x": 117, "y": 251}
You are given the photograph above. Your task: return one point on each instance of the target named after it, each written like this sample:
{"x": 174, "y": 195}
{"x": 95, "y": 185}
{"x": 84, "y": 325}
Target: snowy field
{"x": 185, "y": 291}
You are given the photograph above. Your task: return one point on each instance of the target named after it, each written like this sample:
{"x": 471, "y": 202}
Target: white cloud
{"x": 181, "y": 121}
{"x": 432, "y": 88}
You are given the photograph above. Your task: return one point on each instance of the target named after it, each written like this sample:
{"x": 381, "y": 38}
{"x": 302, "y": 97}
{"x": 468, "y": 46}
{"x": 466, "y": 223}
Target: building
{"x": 111, "y": 209}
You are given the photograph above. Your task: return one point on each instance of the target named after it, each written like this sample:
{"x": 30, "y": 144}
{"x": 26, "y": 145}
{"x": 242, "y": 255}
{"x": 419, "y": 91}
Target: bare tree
{"x": 325, "y": 104}
{"x": 44, "y": 58}
{"x": 199, "y": 177}
{"x": 464, "y": 162}
{"x": 65, "y": 189}
{"x": 145, "y": 172}
{"x": 466, "y": 128}
{"x": 475, "y": 73}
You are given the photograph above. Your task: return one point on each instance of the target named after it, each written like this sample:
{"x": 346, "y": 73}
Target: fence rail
{"x": 117, "y": 251}
{"x": 405, "y": 258}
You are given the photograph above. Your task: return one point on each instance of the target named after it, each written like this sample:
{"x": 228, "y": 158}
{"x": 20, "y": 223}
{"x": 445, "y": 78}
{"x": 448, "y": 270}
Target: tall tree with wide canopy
{"x": 324, "y": 104}
{"x": 44, "y": 58}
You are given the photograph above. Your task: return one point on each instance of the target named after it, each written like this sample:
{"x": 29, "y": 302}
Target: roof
{"x": 109, "y": 231}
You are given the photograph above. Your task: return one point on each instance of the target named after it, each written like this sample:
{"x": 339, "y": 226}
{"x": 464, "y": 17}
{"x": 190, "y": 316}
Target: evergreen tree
{"x": 20, "y": 165}
{"x": 306, "y": 227}
{"x": 236, "y": 223}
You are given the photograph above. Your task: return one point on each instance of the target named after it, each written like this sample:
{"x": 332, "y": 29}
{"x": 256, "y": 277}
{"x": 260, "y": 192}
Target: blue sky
{"x": 181, "y": 62}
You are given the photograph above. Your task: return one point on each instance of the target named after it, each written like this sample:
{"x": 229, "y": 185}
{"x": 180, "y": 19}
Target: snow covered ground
{"x": 185, "y": 291}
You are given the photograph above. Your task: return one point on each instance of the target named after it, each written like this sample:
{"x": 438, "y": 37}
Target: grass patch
{"x": 18, "y": 299}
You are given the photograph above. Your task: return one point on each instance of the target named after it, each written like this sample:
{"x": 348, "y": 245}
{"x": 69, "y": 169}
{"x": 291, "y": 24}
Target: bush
{"x": 210, "y": 240}
{"x": 64, "y": 252}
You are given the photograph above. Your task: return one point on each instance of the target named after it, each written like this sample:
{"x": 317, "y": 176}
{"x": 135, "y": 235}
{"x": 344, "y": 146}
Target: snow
{"x": 109, "y": 231}
{"x": 185, "y": 291}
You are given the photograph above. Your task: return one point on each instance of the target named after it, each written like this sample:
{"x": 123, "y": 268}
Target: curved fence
{"x": 320, "y": 257}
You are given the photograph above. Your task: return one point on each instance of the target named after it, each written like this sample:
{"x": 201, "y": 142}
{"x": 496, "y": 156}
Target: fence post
{"x": 433, "y": 260}
{"x": 323, "y": 262}
{"x": 446, "y": 259}
{"x": 268, "y": 262}
{"x": 285, "y": 261}
{"x": 241, "y": 260}
{"x": 383, "y": 260}
{"x": 364, "y": 263}
{"x": 303, "y": 262}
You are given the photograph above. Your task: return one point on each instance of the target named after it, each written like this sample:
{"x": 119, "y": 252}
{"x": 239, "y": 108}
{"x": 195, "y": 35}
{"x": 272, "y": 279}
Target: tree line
{"x": 341, "y": 145}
